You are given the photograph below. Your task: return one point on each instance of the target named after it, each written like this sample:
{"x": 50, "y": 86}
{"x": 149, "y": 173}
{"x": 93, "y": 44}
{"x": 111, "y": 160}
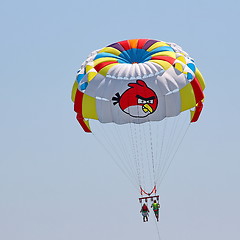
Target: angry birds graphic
{"x": 138, "y": 101}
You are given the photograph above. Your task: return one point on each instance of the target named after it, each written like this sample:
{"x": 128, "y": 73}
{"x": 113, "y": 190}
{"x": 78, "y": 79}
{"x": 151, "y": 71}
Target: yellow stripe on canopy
{"x": 88, "y": 68}
{"x": 104, "y": 70}
{"x": 187, "y": 97}
{"x": 110, "y": 50}
{"x": 179, "y": 66}
{"x": 156, "y": 45}
{"x": 165, "y": 53}
{"x": 91, "y": 75}
{"x": 200, "y": 78}
{"x": 182, "y": 59}
{"x": 104, "y": 59}
{"x": 89, "y": 107}
{"x": 74, "y": 90}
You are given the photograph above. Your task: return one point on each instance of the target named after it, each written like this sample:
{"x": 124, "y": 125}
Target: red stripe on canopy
{"x": 198, "y": 110}
{"x": 125, "y": 44}
{"x": 164, "y": 58}
{"x": 141, "y": 43}
{"x": 78, "y": 102}
{"x": 78, "y": 109}
{"x": 99, "y": 66}
{"x": 199, "y": 96}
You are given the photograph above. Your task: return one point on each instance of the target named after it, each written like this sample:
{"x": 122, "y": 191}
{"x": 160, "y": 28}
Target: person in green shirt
{"x": 156, "y": 207}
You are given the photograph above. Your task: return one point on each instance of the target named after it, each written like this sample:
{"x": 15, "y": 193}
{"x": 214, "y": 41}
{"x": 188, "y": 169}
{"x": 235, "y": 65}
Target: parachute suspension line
{"x": 134, "y": 140}
{"x": 152, "y": 156}
{"x": 174, "y": 140}
{"x": 147, "y": 158}
{"x": 129, "y": 144}
{"x": 113, "y": 157}
{"x": 125, "y": 149}
{"x": 111, "y": 140}
{"x": 118, "y": 157}
{"x": 157, "y": 229}
{"x": 158, "y": 144}
{"x": 160, "y": 179}
{"x": 171, "y": 136}
{"x": 135, "y": 150}
{"x": 169, "y": 142}
{"x": 163, "y": 136}
{"x": 139, "y": 137}
{"x": 176, "y": 135}
{"x": 142, "y": 147}
{"x": 113, "y": 135}
{"x": 132, "y": 152}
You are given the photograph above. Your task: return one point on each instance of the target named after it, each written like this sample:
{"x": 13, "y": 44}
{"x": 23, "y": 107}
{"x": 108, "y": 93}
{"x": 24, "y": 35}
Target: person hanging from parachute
{"x": 155, "y": 206}
{"x": 145, "y": 212}
{"x": 153, "y": 197}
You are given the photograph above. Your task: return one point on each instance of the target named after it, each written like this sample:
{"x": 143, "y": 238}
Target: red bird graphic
{"x": 138, "y": 101}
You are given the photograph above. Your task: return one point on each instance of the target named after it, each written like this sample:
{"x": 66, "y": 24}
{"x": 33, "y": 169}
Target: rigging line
{"x": 179, "y": 135}
{"x": 137, "y": 140}
{"x": 141, "y": 160}
{"x": 164, "y": 141}
{"x": 134, "y": 184}
{"x": 150, "y": 174}
{"x": 135, "y": 151}
{"x": 134, "y": 144}
{"x": 116, "y": 151}
{"x": 157, "y": 133}
{"x": 121, "y": 143}
{"x": 140, "y": 147}
{"x": 146, "y": 147}
{"x": 151, "y": 144}
{"x": 157, "y": 229}
{"x": 179, "y": 128}
{"x": 171, "y": 136}
{"x": 122, "y": 150}
{"x": 116, "y": 155}
{"x": 164, "y": 126}
{"x": 138, "y": 136}
{"x": 130, "y": 145}
{"x": 130, "y": 154}
{"x": 168, "y": 144}
{"x": 174, "y": 155}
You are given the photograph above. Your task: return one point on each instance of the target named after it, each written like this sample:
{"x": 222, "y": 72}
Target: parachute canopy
{"x": 137, "y": 81}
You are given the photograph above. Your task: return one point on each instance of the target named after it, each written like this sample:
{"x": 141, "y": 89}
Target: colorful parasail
{"x": 137, "y": 82}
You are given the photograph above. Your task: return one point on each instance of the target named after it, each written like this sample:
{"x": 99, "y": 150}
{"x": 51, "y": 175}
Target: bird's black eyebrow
{"x": 146, "y": 99}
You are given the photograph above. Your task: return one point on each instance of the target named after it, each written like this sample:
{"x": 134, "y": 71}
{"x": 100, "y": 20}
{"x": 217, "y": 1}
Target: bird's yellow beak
{"x": 147, "y": 108}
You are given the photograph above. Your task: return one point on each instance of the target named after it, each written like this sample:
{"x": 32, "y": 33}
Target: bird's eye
{"x": 150, "y": 101}
{"x": 141, "y": 101}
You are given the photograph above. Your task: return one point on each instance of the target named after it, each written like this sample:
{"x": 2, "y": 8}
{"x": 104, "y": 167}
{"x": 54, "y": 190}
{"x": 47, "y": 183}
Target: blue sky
{"x": 56, "y": 182}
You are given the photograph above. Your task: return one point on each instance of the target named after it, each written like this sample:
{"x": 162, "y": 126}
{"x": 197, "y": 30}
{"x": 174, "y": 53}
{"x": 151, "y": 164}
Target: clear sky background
{"x": 56, "y": 182}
